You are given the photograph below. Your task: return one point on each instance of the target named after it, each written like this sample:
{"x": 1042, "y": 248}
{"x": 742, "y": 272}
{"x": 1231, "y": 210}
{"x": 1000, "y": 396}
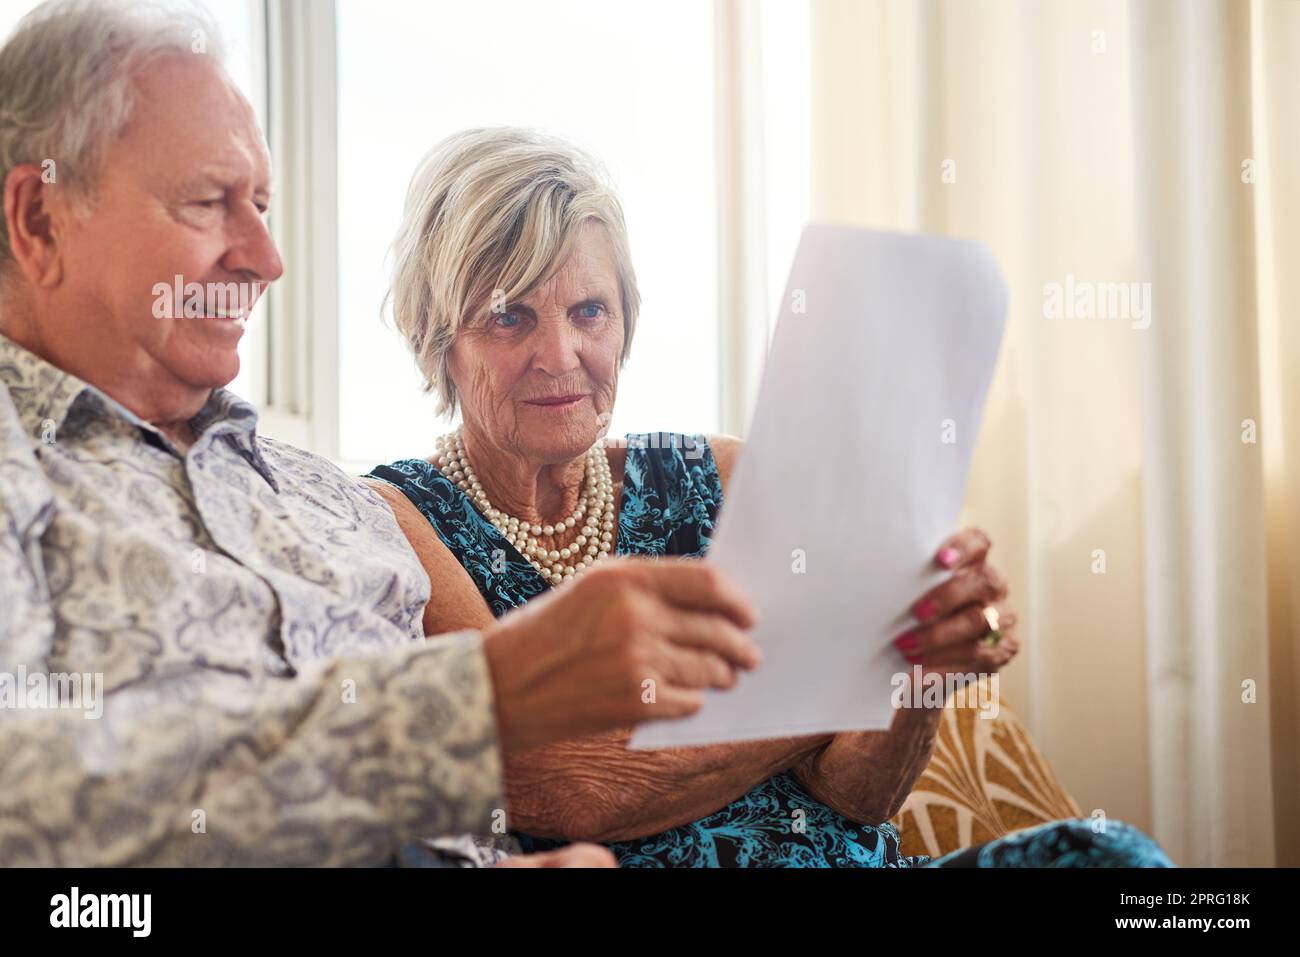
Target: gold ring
{"x": 995, "y": 625}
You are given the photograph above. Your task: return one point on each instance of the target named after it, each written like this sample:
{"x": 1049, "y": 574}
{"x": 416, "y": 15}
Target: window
{"x": 631, "y": 83}
{"x": 11, "y": 12}
{"x": 353, "y": 93}
{"x": 787, "y": 138}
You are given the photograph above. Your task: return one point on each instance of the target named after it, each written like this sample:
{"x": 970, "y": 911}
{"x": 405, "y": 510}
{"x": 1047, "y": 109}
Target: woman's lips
{"x": 556, "y": 402}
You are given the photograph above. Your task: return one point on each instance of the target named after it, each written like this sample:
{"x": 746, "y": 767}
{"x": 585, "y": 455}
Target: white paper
{"x": 857, "y": 459}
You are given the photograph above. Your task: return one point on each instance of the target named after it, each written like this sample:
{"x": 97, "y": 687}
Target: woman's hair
{"x": 491, "y": 215}
{"x": 66, "y": 85}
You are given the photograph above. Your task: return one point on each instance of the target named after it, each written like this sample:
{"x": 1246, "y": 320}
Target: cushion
{"x": 985, "y": 779}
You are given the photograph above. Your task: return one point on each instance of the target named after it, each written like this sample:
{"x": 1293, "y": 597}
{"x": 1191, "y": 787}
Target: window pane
{"x": 11, "y": 11}
{"x": 631, "y": 83}
{"x": 787, "y": 137}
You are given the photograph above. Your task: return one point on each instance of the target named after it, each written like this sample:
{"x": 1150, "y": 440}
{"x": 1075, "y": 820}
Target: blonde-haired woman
{"x": 514, "y": 287}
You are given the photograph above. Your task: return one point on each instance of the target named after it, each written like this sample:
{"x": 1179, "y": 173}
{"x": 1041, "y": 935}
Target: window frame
{"x": 299, "y": 401}
{"x": 300, "y": 394}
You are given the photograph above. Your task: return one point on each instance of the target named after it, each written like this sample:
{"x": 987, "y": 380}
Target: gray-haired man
{"x": 254, "y": 612}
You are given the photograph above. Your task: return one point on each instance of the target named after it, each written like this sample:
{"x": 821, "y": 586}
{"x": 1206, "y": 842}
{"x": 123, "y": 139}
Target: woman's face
{"x": 538, "y": 377}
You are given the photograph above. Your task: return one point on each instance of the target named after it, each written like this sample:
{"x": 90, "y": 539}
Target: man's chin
{"x": 208, "y": 374}
{"x": 207, "y": 363}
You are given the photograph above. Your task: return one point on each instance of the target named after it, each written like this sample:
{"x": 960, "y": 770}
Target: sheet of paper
{"x": 854, "y": 472}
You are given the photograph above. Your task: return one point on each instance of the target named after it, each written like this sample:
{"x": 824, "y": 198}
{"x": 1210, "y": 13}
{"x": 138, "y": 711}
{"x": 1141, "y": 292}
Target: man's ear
{"x": 30, "y": 210}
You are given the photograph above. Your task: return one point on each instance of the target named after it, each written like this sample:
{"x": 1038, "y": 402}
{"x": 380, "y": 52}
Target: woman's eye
{"x": 507, "y": 320}
{"x": 589, "y": 311}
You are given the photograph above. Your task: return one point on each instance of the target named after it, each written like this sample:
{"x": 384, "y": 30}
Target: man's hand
{"x": 575, "y": 855}
{"x": 628, "y": 641}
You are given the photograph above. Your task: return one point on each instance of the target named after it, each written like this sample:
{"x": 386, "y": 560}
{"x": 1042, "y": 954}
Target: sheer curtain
{"x": 1138, "y": 469}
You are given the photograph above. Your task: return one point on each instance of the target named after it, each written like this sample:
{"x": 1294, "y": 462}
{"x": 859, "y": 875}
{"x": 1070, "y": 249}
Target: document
{"x": 853, "y": 474}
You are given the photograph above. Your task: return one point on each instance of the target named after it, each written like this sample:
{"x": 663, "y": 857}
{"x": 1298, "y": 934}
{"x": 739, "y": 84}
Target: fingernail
{"x": 948, "y": 557}
{"x": 906, "y": 642}
{"x": 927, "y": 609}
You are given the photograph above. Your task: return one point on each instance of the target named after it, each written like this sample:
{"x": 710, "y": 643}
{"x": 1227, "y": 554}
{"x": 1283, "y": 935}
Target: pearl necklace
{"x": 595, "y": 512}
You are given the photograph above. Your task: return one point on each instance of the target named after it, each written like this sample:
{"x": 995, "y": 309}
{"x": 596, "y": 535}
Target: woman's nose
{"x": 557, "y": 347}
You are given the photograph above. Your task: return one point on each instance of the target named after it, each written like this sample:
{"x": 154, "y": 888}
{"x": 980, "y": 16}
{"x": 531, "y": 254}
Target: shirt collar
{"x": 45, "y": 397}
{"x": 41, "y": 393}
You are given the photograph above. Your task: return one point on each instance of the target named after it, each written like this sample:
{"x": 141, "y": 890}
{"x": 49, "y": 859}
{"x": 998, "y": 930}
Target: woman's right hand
{"x": 628, "y": 641}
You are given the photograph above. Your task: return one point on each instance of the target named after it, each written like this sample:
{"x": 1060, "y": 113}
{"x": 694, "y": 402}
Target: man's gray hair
{"x": 66, "y": 89}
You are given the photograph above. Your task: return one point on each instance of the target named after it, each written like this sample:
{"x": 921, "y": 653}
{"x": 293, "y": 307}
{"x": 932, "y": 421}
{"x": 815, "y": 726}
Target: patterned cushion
{"x": 985, "y": 779}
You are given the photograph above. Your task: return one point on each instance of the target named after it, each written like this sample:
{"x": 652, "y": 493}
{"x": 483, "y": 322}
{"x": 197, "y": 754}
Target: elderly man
{"x": 253, "y": 613}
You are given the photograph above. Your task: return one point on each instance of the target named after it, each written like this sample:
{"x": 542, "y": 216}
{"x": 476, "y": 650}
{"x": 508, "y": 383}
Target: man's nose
{"x": 557, "y": 346}
{"x": 251, "y": 249}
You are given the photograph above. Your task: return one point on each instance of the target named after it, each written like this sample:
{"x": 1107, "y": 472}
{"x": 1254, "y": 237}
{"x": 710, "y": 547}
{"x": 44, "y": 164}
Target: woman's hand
{"x": 867, "y": 775}
{"x": 952, "y": 633}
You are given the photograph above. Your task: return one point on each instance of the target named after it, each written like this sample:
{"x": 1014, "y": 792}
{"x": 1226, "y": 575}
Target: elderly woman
{"x": 514, "y": 288}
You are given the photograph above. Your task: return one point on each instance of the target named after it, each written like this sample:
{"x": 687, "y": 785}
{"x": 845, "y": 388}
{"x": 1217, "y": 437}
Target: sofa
{"x": 985, "y": 779}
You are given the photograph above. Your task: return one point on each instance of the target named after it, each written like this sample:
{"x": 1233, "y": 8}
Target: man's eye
{"x": 212, "y": 203}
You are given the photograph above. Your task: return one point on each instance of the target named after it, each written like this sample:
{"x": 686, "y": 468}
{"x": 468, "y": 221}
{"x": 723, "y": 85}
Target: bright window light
{"x": 631, "y": 83}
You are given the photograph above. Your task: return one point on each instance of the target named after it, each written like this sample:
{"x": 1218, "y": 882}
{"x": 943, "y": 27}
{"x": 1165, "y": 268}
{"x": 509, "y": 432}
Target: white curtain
{"x": 1139, "y": 473}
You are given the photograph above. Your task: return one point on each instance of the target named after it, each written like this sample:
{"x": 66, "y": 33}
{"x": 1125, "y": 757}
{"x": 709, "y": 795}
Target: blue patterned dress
{"x": 670, "y": 502}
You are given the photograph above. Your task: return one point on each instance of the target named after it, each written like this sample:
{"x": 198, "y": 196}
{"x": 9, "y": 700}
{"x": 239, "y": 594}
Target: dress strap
{"x": 504, "y": 577}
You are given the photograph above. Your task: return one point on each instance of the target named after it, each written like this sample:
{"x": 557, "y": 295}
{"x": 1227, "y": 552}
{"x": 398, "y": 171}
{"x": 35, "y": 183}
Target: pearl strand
{"x": 595, "y": 511}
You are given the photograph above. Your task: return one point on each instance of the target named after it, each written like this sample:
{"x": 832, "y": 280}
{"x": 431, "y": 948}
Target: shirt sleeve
{"x": 338, "y": 764}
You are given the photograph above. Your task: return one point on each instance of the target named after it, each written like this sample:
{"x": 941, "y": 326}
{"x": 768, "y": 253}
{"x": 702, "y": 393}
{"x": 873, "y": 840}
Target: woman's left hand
{"x": 953, "y": 630}
{"x": 867, "y": 775}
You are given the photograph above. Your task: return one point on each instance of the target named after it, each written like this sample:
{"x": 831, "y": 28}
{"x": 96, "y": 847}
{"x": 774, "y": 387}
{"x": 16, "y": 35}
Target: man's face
{"x": 183, "y": 193}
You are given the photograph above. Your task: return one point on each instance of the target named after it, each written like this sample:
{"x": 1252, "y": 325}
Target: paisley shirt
{"x": 254, "y": 616}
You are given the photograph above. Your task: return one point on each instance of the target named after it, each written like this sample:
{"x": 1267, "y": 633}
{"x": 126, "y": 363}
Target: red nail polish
{"x": 906, "y": 642}
{"x": 927, "y": 609}
{"x": 948, "y": 557}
